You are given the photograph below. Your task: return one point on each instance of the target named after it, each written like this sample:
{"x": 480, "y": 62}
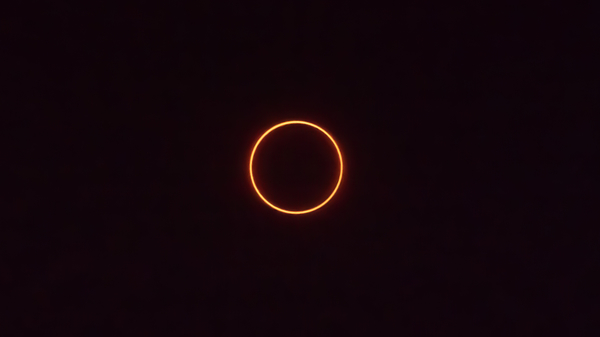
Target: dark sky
{"x": 134, "y": 207}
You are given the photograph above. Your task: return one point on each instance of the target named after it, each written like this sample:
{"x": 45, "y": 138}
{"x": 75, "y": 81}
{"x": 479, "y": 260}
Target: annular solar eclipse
{"x": 319, "y": 205}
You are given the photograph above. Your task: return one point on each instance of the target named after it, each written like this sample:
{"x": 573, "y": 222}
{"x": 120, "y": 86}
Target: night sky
{"x": 132, "y": 201}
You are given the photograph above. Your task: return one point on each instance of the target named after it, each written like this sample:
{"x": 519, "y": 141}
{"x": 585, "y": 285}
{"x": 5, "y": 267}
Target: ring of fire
{"x": 336, "y": 186}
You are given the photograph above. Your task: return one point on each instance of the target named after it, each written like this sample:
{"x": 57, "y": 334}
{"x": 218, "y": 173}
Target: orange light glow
{"x": 336, "y": 186}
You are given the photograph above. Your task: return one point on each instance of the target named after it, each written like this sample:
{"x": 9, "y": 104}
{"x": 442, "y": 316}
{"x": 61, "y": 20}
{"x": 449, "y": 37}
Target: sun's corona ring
{"x": 307, "y": 210}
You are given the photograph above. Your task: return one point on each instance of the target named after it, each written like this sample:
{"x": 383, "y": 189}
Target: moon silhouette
{"x": 310, "y": 209}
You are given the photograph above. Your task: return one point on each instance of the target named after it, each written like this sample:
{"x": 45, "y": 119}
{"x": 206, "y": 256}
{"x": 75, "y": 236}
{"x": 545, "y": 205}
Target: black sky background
{"x": 133, "y": 205}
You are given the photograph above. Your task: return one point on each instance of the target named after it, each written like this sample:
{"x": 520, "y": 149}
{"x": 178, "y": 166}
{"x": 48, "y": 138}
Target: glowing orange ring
{"x": 336, "y": 186}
